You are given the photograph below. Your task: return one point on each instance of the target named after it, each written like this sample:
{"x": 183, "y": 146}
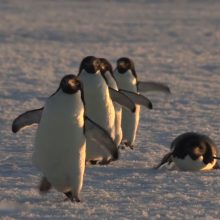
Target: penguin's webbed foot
{"x": 121, "y": 147}
{"x": 71, "y": 197}
{"x": 93, "y": 162}
{"x": 102, "y": 162}
{"x": 127, "y": 144}
{"x": 45, "y": 185}
{"x": 105, "y": 162}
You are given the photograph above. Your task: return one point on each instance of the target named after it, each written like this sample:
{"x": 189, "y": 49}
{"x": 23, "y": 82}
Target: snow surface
{"x": 176, "y": 42}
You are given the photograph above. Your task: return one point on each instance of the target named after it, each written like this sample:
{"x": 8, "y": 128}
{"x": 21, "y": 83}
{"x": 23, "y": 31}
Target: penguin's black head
{"x": 198, "y": 151}
{"x": 124, "y": 64}
{"x": 105, "y": 66}
{"x": 70, "y": 84}
{"x": 202, "y": 146}
{"x": 90, "y": 64}
{"x": 194, "y": 145}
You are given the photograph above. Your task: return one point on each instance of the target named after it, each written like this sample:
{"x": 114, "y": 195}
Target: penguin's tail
{"x": 166, "y": 159}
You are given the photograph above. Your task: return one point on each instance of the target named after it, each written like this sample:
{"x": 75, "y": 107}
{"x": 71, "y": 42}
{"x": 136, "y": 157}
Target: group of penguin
{"x": 93, "y": 115}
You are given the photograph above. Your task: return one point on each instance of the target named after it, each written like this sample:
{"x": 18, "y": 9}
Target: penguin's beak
{"x": 217, "y": 158}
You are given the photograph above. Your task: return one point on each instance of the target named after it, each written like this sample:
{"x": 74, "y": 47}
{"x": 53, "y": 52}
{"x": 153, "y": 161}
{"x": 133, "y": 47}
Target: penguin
{"x": 126, "y": 79}
{"x": 60, "y": 142}
{"x": 96, "y": 93}
{"x": 107, "y": 73}
{"x": 99, "y": 100}
{"x": 191, "y": 152}
{"x": 99, "y": 105}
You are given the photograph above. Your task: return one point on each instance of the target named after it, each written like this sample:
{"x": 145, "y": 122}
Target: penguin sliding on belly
{"x": 190, "y": 152}
{"x": 60, "y": 143}
{"x": 107, "y": 73}
{"x": 127, "y": 81}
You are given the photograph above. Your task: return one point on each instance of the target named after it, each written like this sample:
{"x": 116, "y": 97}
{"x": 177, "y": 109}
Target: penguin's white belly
{"x": 101, "y": 110}
{"x": 126, "y": 81}
{"x": 130, "y": 120}
{"x": 99, "y": 106}
{"x": 118, "y": 126}
{"x": 118, "y": 109}
{"x": 111, "y": 81}
{"x": 60, "y": 145}
{"x": 130, "y": 123}
{"x": 189, "y": 164}
{"x": 104, "y": 116}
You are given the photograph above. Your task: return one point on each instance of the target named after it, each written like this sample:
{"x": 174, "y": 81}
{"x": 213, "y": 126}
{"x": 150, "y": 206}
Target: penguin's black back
{"x": 186, "y": 144}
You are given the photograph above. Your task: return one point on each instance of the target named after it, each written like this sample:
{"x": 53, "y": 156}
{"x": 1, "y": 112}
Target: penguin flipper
{"x": 26, "y": 119}
{"x": 122, "y": 99}
{"x": 138, "y": 98}
{"x": 153, "y": 86}
{"x": 96, "y": 133}
{"x": 166, "y": 159}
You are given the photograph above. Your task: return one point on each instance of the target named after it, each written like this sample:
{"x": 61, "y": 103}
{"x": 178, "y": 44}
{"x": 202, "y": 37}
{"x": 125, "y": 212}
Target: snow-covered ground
{"x": 176, "y": 42}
